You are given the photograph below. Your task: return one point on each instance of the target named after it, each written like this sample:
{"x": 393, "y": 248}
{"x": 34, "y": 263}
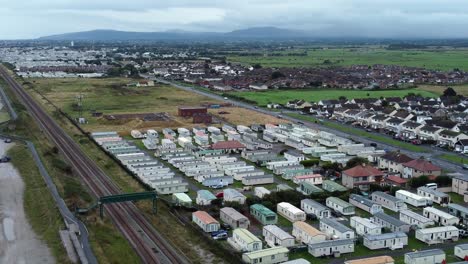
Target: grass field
{"x": 460, "y": 89}
{"x": 362, "y": 133}
{"x": 443, "y": 59}
{"x": 454, "y": 158}
{"x": 283, "y": 96}
{"x": 4, "y": 116}
{"x": 111, "y": 96}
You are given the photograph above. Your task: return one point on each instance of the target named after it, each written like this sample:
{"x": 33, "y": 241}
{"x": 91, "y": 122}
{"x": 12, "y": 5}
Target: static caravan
{"x": 364, "y": 226}
{"x": 244, "y": 241}
{"x": 340, "y": 206}
{"x": 275, "y": 236}
{"x": 412, "y": 198}
{"x": 431, "y": 256}
{"x": 331, "y": 186}
{"x": 310, "y": 178}
{"x": 461, "y": 251}
{"x": 415, "y": 220}
{"x": 205, "y": 221}
{"x": 440, "y": 217}
{"x": 388, "y": 201}
{"x": 436, "y": 196}
{"x": 204, "y": 197}
{"x": 263, "y": 214}
{"x": 283, "y": 163}
{"x": 391, "y": 241}
{"x": 307, "y": 234}
{"x": 272, "y": 255}
{"x": 437, "y": 235}
{"x": 257, "y": 180}
{"x": 232, "y": 195}
{"x": 335, "y": 229}
{"x": 218, "y": 181}
{"x": 181, "y": 199}
{"x": 233, "y": 218}
{"x": 260, "y": 192}
{"x": 307, "y": 188}
{"x": 372, "y": 260}
{"x": 458, "y": 211}
{"x": 365, "y": 204}
{"x": 390, "y": 222}
{"x": 290, "y": 212}
{"x": 238, "y": 176}
{"x": 331, "y": 248}
{"x": 312, "y": 207}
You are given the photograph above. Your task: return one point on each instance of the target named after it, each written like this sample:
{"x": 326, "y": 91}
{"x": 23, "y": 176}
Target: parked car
{"x": 463, "y": 233}
{"x": 226, "y": 226}
{"x": 465, "y": 166}
{"x": 5, "y": 159}
{"x": 220, "y": 236}
{"x": 373, "y": 145}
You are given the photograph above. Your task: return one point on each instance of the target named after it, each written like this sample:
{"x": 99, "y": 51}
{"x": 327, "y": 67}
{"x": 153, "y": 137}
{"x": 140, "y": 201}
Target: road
{"x": 432, "y": 156}
{"x": 147, "y": 242}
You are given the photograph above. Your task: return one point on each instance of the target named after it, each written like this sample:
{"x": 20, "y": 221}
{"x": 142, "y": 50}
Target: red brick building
{"x": 187, "y": 111}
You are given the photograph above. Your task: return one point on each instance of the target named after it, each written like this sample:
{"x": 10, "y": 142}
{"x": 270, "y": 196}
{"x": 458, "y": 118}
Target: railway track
{"x": 147, "y": 242}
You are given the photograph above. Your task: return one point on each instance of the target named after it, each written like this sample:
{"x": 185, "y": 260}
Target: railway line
{"x": 147, "y": 242}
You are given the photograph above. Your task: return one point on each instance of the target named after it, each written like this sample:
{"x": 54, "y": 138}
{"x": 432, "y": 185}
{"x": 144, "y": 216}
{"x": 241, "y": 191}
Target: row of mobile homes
{"x": 372, "y": 260}
{"x": 388, "y": 201}
{"x": 340, "y": 206}
{"x": 431, "y": 256}
{"x": 312, "y": 207}
{"x": 307, "y": 188}
{"x": 260, "y": 192}
{"x": 459, "y": 211}
{"x": 331, "y": 248}
{"x": 437, "y": 235}
{"x": 436, "y": 196}
{"x": 244, "y": 241}
{"x": 412, "y": 198}
{"x": 205, "y": 221}
{"x": 415, "y": 220}
{"x": 258, "y": 180}
{"x": 391, "y": 241}
{"x": 275, "y": 236}
{"x": 440, "y": 217}
{"x": 264, "y": 215}
{"x": 364, "y": 226}
{"x": 331, "y": 186}
{"x": 461, "y": 251}
{"x": 290, "y": 212}
{"x": 390, "y": 222}
{"x": 365, "y": 204}
{"x": 335, "y": 229}
{"x": 307, "y": 234}
{"x": 232, "y": 195}
{"x": 272, "y": 255}
{"x": 233, "y": 218}
{"x": 204, "y": 197}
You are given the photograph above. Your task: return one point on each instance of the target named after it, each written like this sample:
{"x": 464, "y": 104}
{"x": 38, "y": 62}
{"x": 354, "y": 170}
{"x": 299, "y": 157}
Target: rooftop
{"x": 278, "y": 232}
{"x": 433, "y": 192}
{"x": 422, "y": 165}
{"x": 363, "y": 171}
{"x": 385, "y": 236}
{"x": 425, "y": 253}
{"x": 307, "y": 228}
{"x": 266, "y": 252}
{"x": 373, "y": 260}
{"x": 204, "y": 217}
{"x": 335, "y": 224}
{"x": 390, "y": 219}
{"x": 246, "y": 235}
{"x": 331, "y": 243}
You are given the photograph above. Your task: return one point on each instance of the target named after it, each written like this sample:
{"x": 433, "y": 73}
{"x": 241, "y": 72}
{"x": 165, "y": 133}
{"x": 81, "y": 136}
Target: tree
{"x": 418, "y": 181}
{"x": 356, "y": 161}
{"x": 342, "y": 98}
{"x": 276, "y": 75}
{"x": 310, "y": 162}
{"x": 450, "y": 92}
{"x": 257, "y": 66}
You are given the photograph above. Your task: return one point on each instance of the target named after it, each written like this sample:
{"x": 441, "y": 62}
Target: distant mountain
{"x": 115, "y": 35}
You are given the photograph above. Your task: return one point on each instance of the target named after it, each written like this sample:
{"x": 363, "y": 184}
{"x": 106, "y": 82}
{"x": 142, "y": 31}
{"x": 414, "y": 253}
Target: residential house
{"x": 390, "y": 222}
{"x": 410, "y": 129}
{"x": 264, "y": 215}
{"x": 243, "y": 240}
{"x": 437, "y": 235}
{"x": 365, "y": 204}
{"x": 361, "y": 176}
{"x": 419, "y": 167}
{"x": 272, "y": 255}
{"x": 335, "y": 229}
{"x": 393, "y": 161}
{"x": 429, "y": 133}
{"x": 307, "y": 234}
{"x": 396, "y": 240}
{"x": 275, "y": 236}
{"x": 205, "y": 221}
{"x": 331, "y": 248}
{"x": 233, "y": 218}
{"x": 462, "y": 146}
{"x": 450, "y": 138}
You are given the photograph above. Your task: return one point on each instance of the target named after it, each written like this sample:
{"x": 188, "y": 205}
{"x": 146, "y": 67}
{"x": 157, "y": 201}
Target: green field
{"x": 454, "y": 158}
{"x": 440, "y": 59}
{"x": 283, "y": 96}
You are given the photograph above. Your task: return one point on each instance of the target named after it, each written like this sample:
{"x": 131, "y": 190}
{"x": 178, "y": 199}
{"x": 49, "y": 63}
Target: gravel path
{"x": 18, "y": 243}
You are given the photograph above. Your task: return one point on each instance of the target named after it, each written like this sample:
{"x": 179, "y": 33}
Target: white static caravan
{"x": 239, "y": 175}
{"x": 307, "y": 234}
{"x": 431, "y": 256}
{"x": 284, "y": 163}
{"x": 391, "y": 241}
{"x": 437, "y": 235}
{"x": 260, "y": 192}
{"x": 136, "y": 134}
{"x": 365, "y": 204}
{"x": 312, "y": 207}
{"x": 461, "y": 251}
{"x": 230, "y": 171}
{"x": 340, "y": 206}
{"x": 204, "y": 197}
{"x": 232, "y": 195}
{"x": 412, "y": 198}
{"x": 390, "y": 222}
{"x": 272, "y": 255}
{"x": 364, "y": 226}
{"x": 436, "y": 196}
{"x": 415, "y": 220}
{"x": 290, "y": 212}
{"x": 244, "y": 241}
{"x": 258, "y": 180}
{"x": 205, "y": 221}
{"x": 440, "y": 217}
{"x": 388, "y": 201}
{"x": 275, "y": 236}
{"x": 331, "y": 248}
{"x": 335, "y": 229}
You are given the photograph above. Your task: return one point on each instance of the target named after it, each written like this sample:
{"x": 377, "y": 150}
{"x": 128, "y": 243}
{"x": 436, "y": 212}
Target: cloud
{"x": 370, "y": 18}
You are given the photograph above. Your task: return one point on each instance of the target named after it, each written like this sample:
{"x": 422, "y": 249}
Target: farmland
{"x": 437, "y": 59}
{"x": 283, "y": 96}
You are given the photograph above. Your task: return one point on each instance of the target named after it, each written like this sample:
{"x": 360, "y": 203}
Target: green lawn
{"x": 315, "y": 95}
{"x": 454, "y": 158}
{"x": 456, "y": 198}
{"x": 441, "y": 59}
{"x": 4, "y": 116}
{"x": 362, "y": 133}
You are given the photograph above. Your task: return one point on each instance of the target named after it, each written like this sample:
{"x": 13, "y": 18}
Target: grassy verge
{"x": 454, "y": 158}
{"x": 362, "y": 133}
{"x": 44, "y": 218}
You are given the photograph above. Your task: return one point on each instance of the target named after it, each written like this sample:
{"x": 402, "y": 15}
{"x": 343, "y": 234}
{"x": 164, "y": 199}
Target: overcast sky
{"x": 365, "y": 18}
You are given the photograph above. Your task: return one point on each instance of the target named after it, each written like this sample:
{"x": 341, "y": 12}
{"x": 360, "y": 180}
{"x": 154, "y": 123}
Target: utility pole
{"x": 80, "y": 105}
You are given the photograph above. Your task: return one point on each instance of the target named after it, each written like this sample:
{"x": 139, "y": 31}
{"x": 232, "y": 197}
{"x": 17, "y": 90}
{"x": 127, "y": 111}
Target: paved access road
{"x": 429, "y": 155}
